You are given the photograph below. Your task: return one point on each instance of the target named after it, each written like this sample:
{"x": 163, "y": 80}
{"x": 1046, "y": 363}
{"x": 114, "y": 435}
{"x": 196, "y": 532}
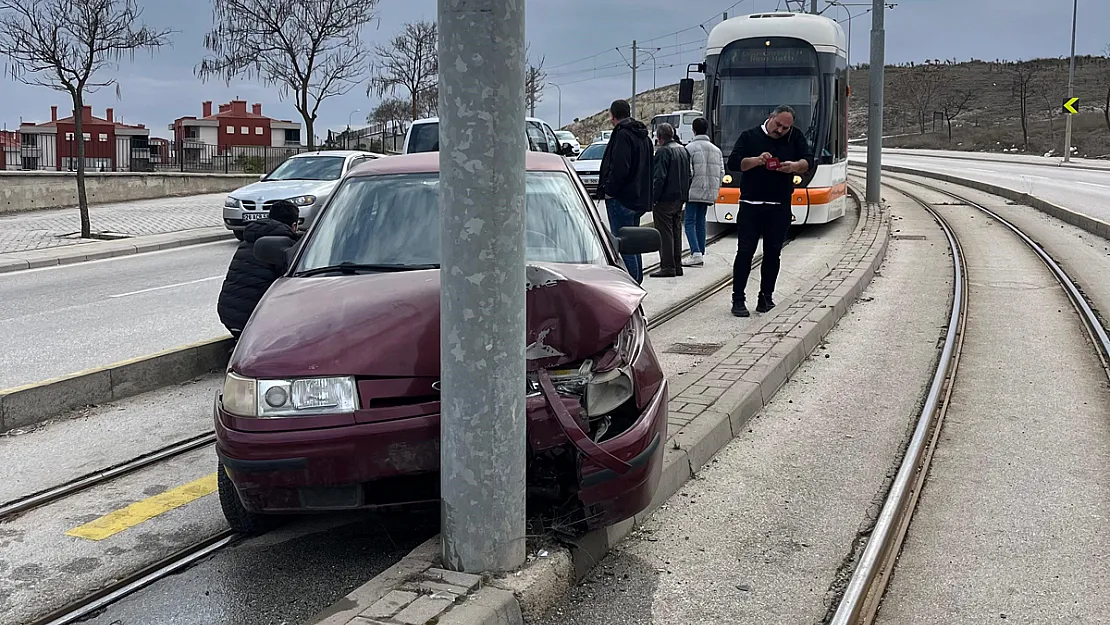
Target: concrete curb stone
{"x": 31, "y": 404}
{"x": 710, "y": 406}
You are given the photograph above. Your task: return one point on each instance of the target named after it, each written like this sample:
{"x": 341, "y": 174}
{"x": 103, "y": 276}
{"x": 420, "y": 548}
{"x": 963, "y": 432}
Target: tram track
{"x": 866, "y": 588}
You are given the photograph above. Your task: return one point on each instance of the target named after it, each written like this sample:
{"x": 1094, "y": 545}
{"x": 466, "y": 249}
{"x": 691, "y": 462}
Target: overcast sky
{"x": 579, "y": 44}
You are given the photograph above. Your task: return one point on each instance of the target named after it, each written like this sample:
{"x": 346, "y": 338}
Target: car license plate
{"x": 253, "y": 216}
{"x": 589, "y": 179}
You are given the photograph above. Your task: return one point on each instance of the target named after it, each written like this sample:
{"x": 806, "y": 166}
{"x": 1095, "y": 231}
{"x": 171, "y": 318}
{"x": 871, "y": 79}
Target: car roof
{"x": 335, "y": 153}
{"x": 428, "y": 162}
{"x": 435, "y": 120}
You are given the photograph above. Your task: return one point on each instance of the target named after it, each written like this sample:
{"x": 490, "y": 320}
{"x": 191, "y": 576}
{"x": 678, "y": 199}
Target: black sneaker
{"x": 739, "y": 309}
{"x": 765, "y": 303}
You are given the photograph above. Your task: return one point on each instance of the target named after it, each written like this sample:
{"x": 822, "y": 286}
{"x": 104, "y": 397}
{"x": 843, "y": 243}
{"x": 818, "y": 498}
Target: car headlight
{"x": 630, "y": 342}
{"x": 246, "y": 397}
{"x": 231, "y": 202}
{"x": 304, "y": 200}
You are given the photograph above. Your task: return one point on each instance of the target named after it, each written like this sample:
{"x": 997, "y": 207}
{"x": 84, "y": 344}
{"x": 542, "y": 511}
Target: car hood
{"x": 283, "y": 189}
{"x": 387, "y": 325}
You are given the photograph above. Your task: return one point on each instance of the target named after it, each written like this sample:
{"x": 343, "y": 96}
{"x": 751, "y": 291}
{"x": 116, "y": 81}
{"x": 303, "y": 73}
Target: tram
{"x": 754, "y": 63}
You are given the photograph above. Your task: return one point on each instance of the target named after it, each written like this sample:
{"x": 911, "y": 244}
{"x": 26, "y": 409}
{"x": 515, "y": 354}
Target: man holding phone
{"x": 767, "y": 157}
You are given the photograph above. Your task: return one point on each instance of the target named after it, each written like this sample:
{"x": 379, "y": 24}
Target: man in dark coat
{"x": 670, "y": 191}
{"x": 624, "y": 180}
{"x": 248, "y": 278}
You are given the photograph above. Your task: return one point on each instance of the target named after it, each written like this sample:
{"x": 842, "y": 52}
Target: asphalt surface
{"x": 1011, "y": 524}
{"x": 759, "y": 535}
{"x": 60, "y": 320}
{"x": 1081, "y": 190}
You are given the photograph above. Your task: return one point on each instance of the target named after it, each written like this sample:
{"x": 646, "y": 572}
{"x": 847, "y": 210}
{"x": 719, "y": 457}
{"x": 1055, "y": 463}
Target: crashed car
{"x": 331, "y": 396}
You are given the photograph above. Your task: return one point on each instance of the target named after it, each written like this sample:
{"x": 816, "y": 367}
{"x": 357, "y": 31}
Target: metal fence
{"x": 42, "y": 152}
{"x": 388, "y": 141}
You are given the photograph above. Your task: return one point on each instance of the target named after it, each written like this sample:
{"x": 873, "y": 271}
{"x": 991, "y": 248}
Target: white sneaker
{"x": 695, "y": 260}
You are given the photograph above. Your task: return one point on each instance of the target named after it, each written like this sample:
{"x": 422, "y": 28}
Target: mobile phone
{"x": 772, "y": 163}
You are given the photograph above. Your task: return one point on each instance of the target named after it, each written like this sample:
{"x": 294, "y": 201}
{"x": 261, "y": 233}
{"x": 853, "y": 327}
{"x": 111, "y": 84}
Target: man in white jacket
{"x": 709, "y": 170}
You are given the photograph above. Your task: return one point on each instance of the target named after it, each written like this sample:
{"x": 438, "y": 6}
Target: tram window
{"x": 746, "y": 101}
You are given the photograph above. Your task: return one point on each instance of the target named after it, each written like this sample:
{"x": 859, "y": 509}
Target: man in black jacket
{"x": 248, "y": 278}
{"x": 768, "y": 156}
{"x": 624, "y": 180}
{"x": 670, "y": 191}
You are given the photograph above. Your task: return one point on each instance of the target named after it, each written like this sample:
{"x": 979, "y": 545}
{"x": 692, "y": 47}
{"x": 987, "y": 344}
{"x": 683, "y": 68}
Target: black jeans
{"x": 667, "y": 218}
{"x": 770, "y": 221}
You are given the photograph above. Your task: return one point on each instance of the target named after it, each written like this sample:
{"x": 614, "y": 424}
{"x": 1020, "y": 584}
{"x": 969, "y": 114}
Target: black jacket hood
{"x": 633, "y": 125}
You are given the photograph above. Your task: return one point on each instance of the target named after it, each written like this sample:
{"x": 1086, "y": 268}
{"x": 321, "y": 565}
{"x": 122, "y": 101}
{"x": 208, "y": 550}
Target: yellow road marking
{"x": 140, "y": 511}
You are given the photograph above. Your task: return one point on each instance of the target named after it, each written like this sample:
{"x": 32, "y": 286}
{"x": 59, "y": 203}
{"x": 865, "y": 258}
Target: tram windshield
{"x": 753, "y": 81}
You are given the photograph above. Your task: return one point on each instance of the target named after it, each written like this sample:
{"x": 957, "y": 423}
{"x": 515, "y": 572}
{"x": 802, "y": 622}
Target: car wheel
{"x": 238, "y": 234}
{"x": 238, "y": 517}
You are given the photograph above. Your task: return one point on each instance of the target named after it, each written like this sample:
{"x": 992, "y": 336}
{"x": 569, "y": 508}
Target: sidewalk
{"x": 51, "y": 237}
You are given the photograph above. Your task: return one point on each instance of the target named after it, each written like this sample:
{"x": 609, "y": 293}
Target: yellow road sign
{"x": 1071, "y": 106}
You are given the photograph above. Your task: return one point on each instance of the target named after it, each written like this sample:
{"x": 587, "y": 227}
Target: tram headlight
{"x": 797, "y": 180}
{"x": 727, "y": 179}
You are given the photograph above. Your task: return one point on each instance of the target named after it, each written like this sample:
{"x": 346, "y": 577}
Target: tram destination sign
{"x": 771, "y": 56}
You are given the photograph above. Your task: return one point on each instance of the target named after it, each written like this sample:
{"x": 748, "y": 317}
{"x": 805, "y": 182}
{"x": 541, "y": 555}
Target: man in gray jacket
{"x": 709, "y": 170}
{"x": 670, "y": 190}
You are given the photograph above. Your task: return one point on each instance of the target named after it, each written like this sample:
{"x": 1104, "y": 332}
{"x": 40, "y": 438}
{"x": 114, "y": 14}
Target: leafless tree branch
{"x": 409, "y": 62}
{"x": 535, "y": 79}
{"x": 310, "y": 49}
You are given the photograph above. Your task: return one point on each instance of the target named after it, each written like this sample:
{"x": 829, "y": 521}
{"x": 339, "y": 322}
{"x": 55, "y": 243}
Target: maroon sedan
{"x": 331, "y": 400}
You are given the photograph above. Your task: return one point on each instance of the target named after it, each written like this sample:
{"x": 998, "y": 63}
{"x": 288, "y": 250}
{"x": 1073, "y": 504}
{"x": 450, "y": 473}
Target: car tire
{"x": 238, "y": 517}
{"x": 238, "y": 234}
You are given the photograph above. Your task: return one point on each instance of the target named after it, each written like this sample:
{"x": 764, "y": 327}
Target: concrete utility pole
{"x": 875, "y": 108}
{"x": 560, "y": 90}
{"x": 1071, "y": 84}
{"x": 482, "y": 302}
{"x": 813, "y": 7}
{"x": 632, "y": 102}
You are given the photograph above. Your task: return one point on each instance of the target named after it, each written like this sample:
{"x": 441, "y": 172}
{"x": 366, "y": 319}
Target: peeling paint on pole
{"x": 482, "y": 151}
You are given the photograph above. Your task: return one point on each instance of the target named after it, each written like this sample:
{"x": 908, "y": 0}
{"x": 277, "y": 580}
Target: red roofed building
{"x": 234, "y": 126}
{"x": 109, "y": 145}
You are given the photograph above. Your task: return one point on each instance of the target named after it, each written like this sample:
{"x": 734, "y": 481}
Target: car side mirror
{"x": 274, "y": 250}
{"x": 633, "y": 240}
{"x": 566, "y": 150}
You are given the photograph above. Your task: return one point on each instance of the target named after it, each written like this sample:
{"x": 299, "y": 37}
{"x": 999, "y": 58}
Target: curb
{"x": 716, "y": 400}
{"x": 32, "y": 404}
{"x": 1092, "y": 225}
{"x": 100, "y": 250}
{"x": 973, "y": 156}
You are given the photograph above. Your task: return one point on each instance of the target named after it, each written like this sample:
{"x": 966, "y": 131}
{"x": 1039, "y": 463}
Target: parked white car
{"x": 566, "y": 136}
{"x": 588, "y": 164}
{"x": 423, "y": 136}
{"x": 305, "y": 179}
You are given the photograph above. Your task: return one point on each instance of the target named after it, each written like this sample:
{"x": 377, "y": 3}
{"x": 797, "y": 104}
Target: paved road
{"x": 1082, "y": 190}
{"x": 64, "y": 319}
{"x": 36, "y": 230}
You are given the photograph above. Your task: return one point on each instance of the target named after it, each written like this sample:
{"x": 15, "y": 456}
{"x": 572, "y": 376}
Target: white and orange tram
{"x": 754, "y": 63}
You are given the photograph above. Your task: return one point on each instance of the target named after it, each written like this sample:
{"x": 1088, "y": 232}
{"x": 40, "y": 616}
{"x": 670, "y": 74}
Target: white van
{"x": 683, "y": 122}
{"x": 423, "y": 136}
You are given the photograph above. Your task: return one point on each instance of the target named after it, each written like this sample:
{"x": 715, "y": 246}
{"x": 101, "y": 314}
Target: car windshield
{"x": 565, "y": 135}
{"x": 593, "y": 153}
{"x": 393, "y": 220}
{"x": 309, "y": 168}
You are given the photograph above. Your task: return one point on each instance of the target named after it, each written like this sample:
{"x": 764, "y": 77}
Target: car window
{"x": 394, "y": 219}
{"x": 309, "y": 168}
{"x": 593, "y": 153}
{"x": 423, "y": 138}
{"x": 688, "y": 118}
{"x": 552, "y": 140}
{"x": 538, "y": 137}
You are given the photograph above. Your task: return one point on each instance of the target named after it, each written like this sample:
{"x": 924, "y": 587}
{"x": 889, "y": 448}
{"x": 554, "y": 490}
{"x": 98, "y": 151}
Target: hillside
{"x": 991, "y": 120}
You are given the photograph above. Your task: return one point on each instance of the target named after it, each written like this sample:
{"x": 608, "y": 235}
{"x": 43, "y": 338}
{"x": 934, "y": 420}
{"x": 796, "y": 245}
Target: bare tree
{"x": 410, "y": 61}
{"x": 917, "y": 89}
{"x": 953, "y": 100}
{"x": 428, "y": 101}
{"x": 392, "y": 112}
{"x": 310, "y": 49}
{"x": 1024, "y": 85}
{"x": 535, "y": 79}
{"x": 64, "y": 45}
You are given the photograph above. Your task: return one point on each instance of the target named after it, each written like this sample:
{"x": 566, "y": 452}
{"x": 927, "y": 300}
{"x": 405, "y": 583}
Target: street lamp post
{"x": 347, "y": 135}
{"x": 1071, "y": 84}
{"x": 560, "y": 90}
